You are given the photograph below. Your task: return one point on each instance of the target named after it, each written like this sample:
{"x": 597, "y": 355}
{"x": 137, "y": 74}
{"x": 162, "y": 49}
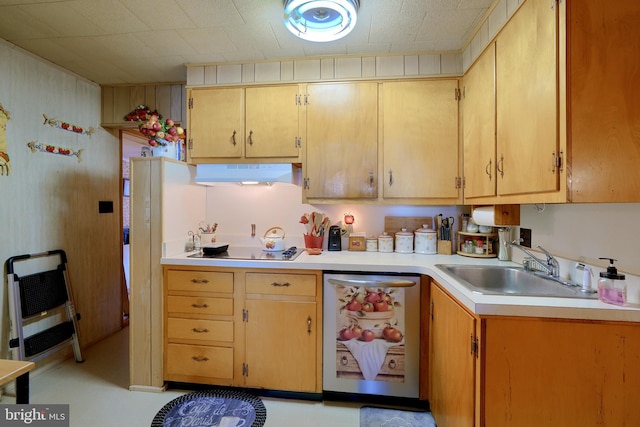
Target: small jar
{"x": 404, "y": 242}
{"x": 372, "y": 244}
{"x": 385, "y": 243}
{"x": 472, "y": 227}
{"x": 479, "y": 247}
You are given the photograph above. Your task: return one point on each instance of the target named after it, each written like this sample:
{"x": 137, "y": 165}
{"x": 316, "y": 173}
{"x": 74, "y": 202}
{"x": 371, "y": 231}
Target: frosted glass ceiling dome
{"x": 320, "y": 20}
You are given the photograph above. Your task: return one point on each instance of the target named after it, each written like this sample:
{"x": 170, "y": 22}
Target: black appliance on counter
{"x": 335, "y": 238}
{"x": 251, "y": 253}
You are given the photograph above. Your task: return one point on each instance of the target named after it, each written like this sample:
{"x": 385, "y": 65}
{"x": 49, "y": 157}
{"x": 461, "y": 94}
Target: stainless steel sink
{"x": 495, "y": 280}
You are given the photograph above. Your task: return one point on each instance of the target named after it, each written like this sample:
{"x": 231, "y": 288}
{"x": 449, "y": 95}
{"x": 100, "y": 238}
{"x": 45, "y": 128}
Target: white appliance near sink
{"x": 385, "y": 360}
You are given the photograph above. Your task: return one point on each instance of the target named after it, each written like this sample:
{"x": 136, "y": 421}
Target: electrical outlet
{"x": 525, "y": 237}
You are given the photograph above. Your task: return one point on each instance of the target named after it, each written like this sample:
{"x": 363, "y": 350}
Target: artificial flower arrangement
{"x": 158, "y": 131}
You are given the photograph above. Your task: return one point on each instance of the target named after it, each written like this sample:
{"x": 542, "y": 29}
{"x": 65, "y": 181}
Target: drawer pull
{"x": 392, "y": 364}
{"x": 200, "y": 358}
{"x": 200, "y": 331}
{"x": 344, "y": 361}
{"x": 285, "y": 284}
{"x": 309, "y": 325}
{"x": 204, "y": 281}
{"x": 194, "y": 305}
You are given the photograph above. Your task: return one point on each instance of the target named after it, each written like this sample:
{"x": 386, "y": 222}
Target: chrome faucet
{"x": 550, "y": 266}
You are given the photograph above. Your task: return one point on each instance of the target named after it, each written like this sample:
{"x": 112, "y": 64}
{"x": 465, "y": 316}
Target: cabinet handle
{"x": 200, "y": 358}
{"x": 309, "y": 325}
{"x": 500, "y": 166}
{"x": 390, "y": 177}
{"x": 280, "y": 285}
{"x": 194, "y": 305}
{"x": 487, "y": 169}
{"x": 371, "y": 179}
{"x": 250, "y": 137}
{"x": 392, "y": 364}
{"x": 200, "y": 331}
{"x": 200, "y": 281}
{"x": 233, "y": 138}
{"x": 344, "y": 361}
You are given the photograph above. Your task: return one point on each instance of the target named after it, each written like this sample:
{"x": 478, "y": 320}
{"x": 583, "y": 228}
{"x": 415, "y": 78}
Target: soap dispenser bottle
{"x": 611, "y": 287}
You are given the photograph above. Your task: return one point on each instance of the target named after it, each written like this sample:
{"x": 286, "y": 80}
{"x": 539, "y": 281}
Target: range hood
{"x": 244, "y": 173}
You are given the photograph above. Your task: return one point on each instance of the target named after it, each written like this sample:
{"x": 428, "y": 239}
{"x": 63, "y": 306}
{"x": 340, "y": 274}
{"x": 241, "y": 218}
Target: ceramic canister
{"x": 426, "y": 241}
{"x": 372, "y": 244}
{"x": 385, "y": 243}
{"x": 404, "y": 242}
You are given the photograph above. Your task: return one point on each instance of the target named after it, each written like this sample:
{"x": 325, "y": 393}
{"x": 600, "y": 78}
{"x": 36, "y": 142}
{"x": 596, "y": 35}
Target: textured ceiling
{"x": 150, "y": 41}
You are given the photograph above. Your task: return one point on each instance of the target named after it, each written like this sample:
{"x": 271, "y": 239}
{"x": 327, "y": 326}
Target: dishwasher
{"x": 371, "y": 342}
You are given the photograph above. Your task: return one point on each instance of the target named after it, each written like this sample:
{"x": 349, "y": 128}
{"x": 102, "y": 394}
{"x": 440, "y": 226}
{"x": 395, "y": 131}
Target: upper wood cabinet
{"x": 420, "y": 140}
{"x": 341, "y": 150}
{"x": 216, "y": 123}
{"x": 603, "y": 102}
{"x": 479, "y": 126}
{"x": 566, "y": 121}
{"x": 526, "y": 101}
{"x": 272, "y": 121}
{"x": 118, "y": 101}
{"x": 237, "y": 124}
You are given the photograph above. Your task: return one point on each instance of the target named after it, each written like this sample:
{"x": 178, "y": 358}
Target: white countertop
{"x": 503, "y": 305}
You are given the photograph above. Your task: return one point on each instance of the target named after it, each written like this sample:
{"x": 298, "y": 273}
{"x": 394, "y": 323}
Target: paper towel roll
{"x": 485, "y": 215}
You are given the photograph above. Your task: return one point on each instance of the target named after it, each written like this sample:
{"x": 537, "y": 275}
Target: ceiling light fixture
{"x": 320, "y": 20}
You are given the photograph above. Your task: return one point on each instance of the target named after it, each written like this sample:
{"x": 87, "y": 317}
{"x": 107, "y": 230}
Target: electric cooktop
{"x": 252, "y": 253}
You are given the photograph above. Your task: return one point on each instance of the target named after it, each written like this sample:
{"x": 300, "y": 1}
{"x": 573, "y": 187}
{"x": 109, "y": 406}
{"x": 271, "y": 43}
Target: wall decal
{"x": 53, "y": 149}
{"x": 53, "y": 122}
{"x": 5, "y": 166}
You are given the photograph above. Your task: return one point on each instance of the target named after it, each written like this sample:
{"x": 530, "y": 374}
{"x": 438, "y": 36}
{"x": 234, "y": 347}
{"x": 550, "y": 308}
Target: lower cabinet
{"x": 527, "y": 371}
{"x": 452, "y": 361}
{"x": 246, "y": 328}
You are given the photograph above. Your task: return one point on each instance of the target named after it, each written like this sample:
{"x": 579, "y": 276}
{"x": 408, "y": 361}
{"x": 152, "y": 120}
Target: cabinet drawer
{"x": 209, "y": 281}
{"x": 281, "y": 284}
{"x": 199, "y": 329}
{"x": 199, "y": 305}
{"x": 201, "y": 361}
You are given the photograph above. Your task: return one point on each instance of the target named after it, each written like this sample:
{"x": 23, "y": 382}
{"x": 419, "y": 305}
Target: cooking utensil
{"x": 214, "y": 248}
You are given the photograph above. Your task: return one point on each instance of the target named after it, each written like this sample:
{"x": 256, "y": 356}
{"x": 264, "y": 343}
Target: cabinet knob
{"x": 309, "y": 325}
{"x": 344, "y": 361}
{"x": 392, "y": 364}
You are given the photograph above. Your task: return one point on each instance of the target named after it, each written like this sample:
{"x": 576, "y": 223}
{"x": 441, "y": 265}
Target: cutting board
{"x": 393, "y": 224}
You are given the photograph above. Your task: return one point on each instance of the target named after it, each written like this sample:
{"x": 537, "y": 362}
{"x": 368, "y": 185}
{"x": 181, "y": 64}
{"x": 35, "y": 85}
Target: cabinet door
{"x": 216, "y": 123}
{"x": 271, "y": 121}
{"x": 420, "y": 136}
{"x": 280, "y": 341}
{"x": 478, "y": 117}
{"x": 527, "y": 101}
{"x": 560, "y": 373}
{"x": 451, "y": 362}
{"x": 341, "y": 159}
